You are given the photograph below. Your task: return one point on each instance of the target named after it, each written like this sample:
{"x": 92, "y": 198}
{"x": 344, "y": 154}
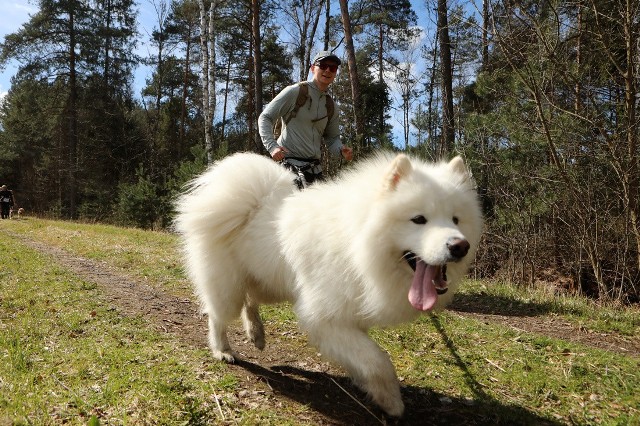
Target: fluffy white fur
{"x": 335, "y": 250}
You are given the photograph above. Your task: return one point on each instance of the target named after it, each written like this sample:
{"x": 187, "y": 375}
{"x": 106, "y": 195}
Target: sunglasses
{"x": 323, "y": 67}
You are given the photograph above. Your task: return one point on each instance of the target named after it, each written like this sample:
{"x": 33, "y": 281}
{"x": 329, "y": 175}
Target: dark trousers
{"x": 5, "y": 207}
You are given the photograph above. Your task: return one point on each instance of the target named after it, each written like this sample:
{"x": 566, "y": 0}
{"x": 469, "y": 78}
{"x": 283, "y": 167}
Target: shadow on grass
{"x": 333, "y": 398}
{"x": 500, "y": 305}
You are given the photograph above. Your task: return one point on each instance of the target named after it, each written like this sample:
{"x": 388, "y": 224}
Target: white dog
{"x": 375, "y": 247}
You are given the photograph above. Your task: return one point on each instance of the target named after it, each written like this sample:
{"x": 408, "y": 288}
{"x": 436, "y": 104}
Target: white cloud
{"x": 14, "y": 14}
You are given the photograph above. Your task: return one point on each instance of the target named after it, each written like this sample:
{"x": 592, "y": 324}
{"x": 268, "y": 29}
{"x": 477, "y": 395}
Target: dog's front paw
{"x": 386, "y": 393}
{"x": 226, "y": 356}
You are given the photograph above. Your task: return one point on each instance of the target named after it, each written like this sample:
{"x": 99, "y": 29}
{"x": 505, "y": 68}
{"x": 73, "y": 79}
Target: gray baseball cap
{"x": 325, "y": 54}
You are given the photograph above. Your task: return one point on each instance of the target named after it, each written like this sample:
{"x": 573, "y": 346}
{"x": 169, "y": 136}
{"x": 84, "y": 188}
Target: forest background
{"x": 540, "y": 98}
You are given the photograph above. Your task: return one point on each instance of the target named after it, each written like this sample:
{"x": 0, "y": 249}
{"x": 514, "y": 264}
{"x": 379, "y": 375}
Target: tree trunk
{"x": 485, "y": 34}
{"x": 353, "y": 77}
{"x": 251, "y": 105}
{"x": 226, "y": 98}
{"x": 327, "y": 23}
{"x": 107, "y": 47}
{"x": 448, "y": 135}
{"x": 578, "y": 85}
{"x": 204, "y": 54}
{"x": 161, "y": 12}
{"x": 380, "y": 77}
{"x": 212, "y": 74}
{"x": 431, "y": 126}
{"x": 183, "y": 103}
{"x": 72, "y": 117}
{"x": 257, "y": 66}
{"x": 312, "y": 37}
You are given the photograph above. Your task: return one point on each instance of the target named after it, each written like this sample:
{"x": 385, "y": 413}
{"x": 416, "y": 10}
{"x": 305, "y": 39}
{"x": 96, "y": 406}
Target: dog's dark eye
{"x": 419, "y": 220}
{"x": 455, "y": 220}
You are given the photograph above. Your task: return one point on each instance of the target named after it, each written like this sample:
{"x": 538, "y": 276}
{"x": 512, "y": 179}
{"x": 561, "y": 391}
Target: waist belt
{"x": 313, "y": 161}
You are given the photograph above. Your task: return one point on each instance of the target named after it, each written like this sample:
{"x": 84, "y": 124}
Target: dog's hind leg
{"x": 252, "y": 323}
{"x": 222, "y": 293}
{"x": 367, "y": 364}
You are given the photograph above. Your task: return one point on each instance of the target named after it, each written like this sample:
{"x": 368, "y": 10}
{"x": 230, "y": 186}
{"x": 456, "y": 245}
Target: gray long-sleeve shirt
{"x": 302, "y": 136}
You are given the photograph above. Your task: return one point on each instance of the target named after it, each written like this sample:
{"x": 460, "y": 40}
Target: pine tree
{"x": 82, "y": 51}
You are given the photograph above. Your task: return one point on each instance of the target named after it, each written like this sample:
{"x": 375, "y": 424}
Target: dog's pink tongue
{"x": 422, "y": 294}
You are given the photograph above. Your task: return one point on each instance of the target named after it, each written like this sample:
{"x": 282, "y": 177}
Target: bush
{"x": 138, "y": 203}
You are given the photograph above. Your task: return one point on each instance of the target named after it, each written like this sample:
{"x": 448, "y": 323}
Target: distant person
{"x": 308, "y": 116}
{"x": 6, "y": 202}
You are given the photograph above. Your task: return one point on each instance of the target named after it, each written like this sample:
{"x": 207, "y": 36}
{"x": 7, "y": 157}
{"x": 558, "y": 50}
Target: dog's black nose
{"x": 458, "y": 247}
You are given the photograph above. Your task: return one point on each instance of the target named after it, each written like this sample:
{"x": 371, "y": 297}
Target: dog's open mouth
{"x": 428, "y": 282}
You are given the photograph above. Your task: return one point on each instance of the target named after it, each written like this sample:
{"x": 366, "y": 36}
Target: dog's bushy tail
{"x": 222, "y": 200}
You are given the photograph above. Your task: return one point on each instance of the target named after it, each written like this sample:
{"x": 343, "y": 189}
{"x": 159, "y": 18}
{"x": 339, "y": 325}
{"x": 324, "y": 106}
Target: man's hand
{"x": 278, "y": 153}
{"x": 347, "y": 152}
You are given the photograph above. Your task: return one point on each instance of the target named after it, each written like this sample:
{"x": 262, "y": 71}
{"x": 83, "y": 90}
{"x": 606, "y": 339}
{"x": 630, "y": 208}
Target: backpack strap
{"x": 330, "y": 107}
{"x": 303, "y": 95}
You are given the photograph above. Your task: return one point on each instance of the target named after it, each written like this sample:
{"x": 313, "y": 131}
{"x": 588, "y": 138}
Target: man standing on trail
{"x": 308, "y": 116}
{"x": 6, "y": 202}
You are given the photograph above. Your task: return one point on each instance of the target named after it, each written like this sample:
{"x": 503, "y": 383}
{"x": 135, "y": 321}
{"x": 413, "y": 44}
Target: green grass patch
{"x": 490, "y": 365}
{"x": 65, "y": 357}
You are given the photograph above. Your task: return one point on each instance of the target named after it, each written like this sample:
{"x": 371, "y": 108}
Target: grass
{"x": 65, "y": 357}
{"x": 583, "y": 313}
{"x": 152, "y": 256}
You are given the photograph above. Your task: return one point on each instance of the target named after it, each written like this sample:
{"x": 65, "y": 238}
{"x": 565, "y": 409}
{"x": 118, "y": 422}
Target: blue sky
{"x": 13, "y": 13}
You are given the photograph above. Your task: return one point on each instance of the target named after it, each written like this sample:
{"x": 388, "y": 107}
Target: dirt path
{"x": 289, "y": 372}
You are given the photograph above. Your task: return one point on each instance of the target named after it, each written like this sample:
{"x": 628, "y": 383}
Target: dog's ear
{"x": 457, "y": 166}
{"x": 399, "y": 169}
